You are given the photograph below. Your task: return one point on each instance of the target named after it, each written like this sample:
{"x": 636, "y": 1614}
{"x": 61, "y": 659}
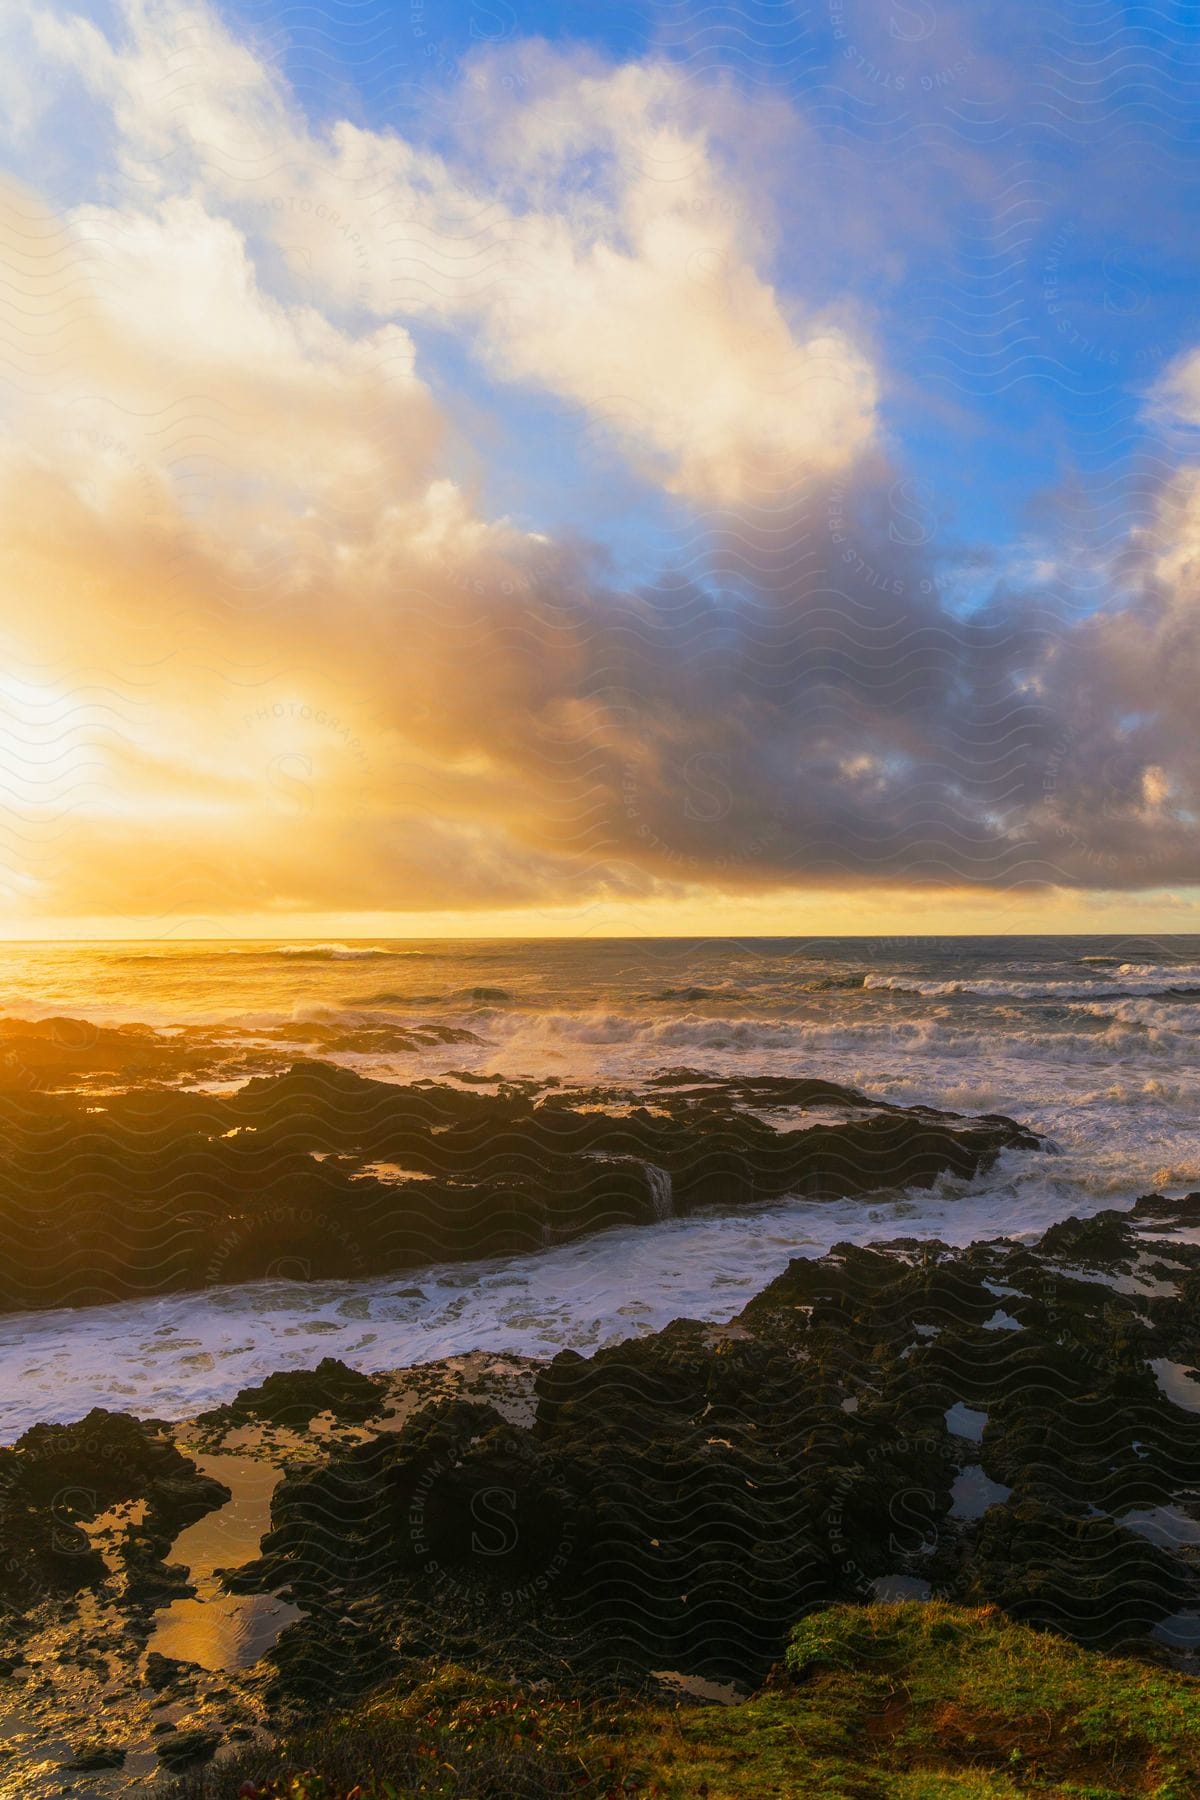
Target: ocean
{"x": 1091, "y": 1041}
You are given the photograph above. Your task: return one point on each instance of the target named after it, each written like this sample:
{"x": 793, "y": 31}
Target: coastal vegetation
{"x": 878, "y": 1702}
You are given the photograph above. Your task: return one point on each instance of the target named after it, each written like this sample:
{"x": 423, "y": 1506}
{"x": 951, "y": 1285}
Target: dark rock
{"x": 324, "y": 1655}
{"x": 157, "y": 1584}
{"x": 1101, "y": 1242}
{"x": 97, "y": 1755}
{"x": 1084, "y": 1576}
{"x": 315, "y": 1171}
{"x": 56, "y": 1476}
{"x": 680, "y": 1499}
{"x": 294, "y": 1396}
{"x": 182, "y": 1747}
{"x": 108, "y": 1457}
{"x": 1160, "y": 1210}
{"x": 161, "y": 1671}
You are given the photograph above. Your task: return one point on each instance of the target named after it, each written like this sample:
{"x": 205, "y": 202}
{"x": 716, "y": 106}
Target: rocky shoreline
{"x": 1010, "y": 1424}
{"x": 127, "y": 1187}
{"x": 119, "y": 1662}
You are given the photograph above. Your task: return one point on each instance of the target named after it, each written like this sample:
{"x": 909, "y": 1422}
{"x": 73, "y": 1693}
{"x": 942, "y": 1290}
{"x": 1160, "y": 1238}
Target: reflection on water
{"x": 1178, "y": 1382}
{"x": 1180, "y": 1632}
{"x": 973, "y": 1492}
{"x": 966, "y": 1421}
{"x": 222, "y": 1631}
{"x": 1167, "y": 1526}
{"x": 216, "y": 1629}
{"x": 901, "y": 1587}
{"x": 230, "y": 1535}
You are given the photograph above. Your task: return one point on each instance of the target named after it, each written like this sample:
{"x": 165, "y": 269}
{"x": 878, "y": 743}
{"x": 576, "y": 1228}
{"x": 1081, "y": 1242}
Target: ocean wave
{"x": 921, "y": 988}
{"x": 388, "y": 997}
{"x": 690, "y": 995}
{"x": 1018, "y": 1061}
{"x": 141, "y": 1355}
{"x": 340, "y": 952}
{"x": 160, "y": 956}
{"x": 691, "y": 1030}
{"x": 1147, "y": 1011}
{"x": 1138, "y": 982}
{"x": 1159, "y": 969}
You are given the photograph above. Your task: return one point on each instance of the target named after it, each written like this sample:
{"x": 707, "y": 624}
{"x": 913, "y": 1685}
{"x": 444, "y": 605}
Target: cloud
{"x": 272, "y": 651}
{"x": 604, "y": 252}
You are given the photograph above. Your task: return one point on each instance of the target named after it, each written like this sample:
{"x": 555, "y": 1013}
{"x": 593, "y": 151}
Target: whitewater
{"x": 1093, "y": 1042}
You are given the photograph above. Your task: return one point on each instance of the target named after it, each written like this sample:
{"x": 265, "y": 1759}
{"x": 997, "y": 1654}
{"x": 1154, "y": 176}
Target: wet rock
{"x": 96, "y": 1755}
{"x": 56, "y": 1477}
{"x": 680, "y": 1498}
{"x": 48, "y": 1052}
{"x": 1161, "y": 1210}
{"x": 1084, "y": 1576}
{"x": 108, "y": 1457}
{"x": 315, "y": 1171}
{"x": 325, "y": 1655}
{"x": 665, "y": 1507}
{"x": 294, "y": 1396}
{"x": 1101, "y": 1242}
{"x": 182, "y": 1747}
{"x": 163, "y": 1671}
{"x": 157, "y": 1584}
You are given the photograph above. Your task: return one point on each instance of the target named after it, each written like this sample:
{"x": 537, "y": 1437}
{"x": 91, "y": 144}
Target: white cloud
{"x": 642, "y": 303}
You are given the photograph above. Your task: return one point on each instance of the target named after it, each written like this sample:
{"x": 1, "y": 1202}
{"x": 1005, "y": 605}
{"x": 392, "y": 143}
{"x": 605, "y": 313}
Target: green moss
{"x": 886, "y": 1702}
{"x": 973, "y": 1685}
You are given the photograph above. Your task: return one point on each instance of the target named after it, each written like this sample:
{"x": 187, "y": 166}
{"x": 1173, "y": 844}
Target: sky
{"x": 683, "y": 468}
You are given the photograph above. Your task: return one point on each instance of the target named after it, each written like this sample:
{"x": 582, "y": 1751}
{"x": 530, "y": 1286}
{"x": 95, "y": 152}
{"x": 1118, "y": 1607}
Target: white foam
{"x": 173, "y": 1356}
{"x": 1125, "y": 979}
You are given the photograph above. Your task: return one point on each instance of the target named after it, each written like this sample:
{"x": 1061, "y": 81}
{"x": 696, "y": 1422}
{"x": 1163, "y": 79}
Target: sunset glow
{"x": 522, "y": 511}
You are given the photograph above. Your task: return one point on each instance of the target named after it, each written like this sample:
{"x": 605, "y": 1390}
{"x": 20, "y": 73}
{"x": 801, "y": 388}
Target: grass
{"x": 885, "y": 1702}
